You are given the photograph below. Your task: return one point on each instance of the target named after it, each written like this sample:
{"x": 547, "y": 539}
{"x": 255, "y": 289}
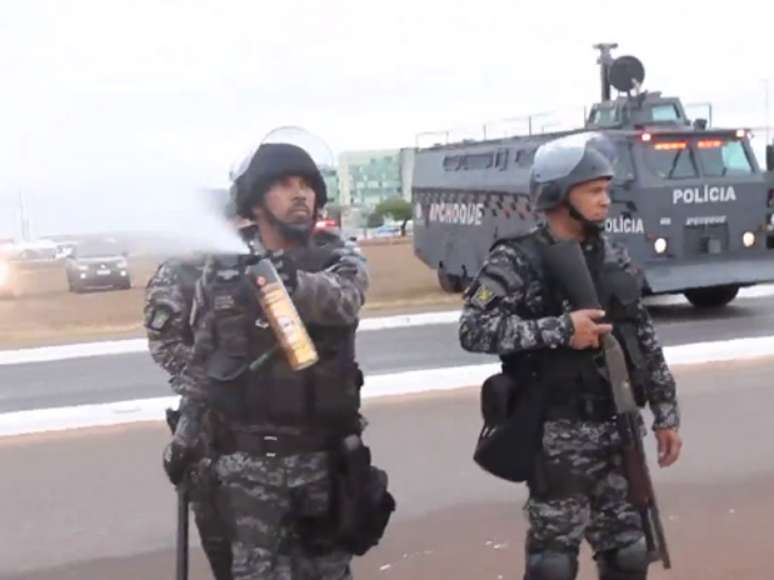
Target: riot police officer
{"x": 290, "y": 466}
{"x": 512, "y": 309}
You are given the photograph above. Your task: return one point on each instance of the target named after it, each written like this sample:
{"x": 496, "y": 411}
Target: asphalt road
{"x": 122, "y": 377}
{"x": 93, "y": 504}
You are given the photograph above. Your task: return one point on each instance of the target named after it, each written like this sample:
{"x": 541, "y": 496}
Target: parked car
{"x": 31, "y": 251}
{"x": 97, "y": 264}
{"x": 387, "y": 231}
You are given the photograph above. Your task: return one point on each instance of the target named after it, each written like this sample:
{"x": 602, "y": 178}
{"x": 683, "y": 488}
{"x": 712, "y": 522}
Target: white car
{"x": 386, "y": 231}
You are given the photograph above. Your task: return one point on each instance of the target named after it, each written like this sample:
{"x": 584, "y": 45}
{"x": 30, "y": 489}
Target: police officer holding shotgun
{"x": 558, "y": 375}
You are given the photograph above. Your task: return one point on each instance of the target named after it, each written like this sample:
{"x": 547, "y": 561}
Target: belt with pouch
{"x": 582, "y": 409}
{"x": 267, "y": 440}
{"x": 277, "y": 444}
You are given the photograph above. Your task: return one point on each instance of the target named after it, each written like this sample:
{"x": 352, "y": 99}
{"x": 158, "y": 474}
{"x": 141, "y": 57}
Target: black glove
{"x": 286, "y": 268}
{"x": 176, "y": 462}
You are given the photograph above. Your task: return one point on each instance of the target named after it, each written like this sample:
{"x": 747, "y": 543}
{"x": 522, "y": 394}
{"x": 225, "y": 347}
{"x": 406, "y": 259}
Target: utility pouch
{"x": 512, "y": 434}
{"x": 363, "y": 505}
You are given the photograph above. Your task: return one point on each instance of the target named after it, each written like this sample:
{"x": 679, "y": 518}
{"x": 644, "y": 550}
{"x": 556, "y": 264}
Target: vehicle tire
{"x": 125, "y": 284}
{"x": 450, "y": 283}
{"x": 74, "y": 287}
{"x": 712, "y": 297}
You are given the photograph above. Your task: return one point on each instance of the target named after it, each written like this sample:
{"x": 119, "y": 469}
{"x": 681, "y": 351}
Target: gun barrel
{"x": 643, "y": 496}
{"x": 654, "y": 534}
{"x": 666, "y": 559}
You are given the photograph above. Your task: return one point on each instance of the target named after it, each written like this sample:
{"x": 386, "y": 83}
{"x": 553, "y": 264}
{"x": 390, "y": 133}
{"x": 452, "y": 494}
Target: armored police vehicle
{"x": 689, "y": 202}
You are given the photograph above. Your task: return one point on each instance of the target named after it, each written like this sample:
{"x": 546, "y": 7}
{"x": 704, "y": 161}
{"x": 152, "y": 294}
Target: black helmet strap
{"x": 591, "y": 227}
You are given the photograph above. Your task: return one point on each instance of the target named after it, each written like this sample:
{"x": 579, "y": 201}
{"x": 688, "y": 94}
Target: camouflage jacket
{"x": 331, "y": 297}
{"x": 167, "y": 310}
{"x": 507, "y": 283}
{"x": 335, "y": 295}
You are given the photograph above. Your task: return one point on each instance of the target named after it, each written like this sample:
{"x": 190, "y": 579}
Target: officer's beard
{"x": 299, "y": 232}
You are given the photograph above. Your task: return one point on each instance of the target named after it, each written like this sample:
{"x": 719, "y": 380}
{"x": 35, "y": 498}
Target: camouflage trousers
{"x": 580, "y": 491}
{"x": 264, "y": 497}
{"x": 213, "y": 531}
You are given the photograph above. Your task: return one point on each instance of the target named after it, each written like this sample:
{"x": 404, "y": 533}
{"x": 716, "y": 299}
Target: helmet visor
{"x": 315, "y": 146}
{"x": 556, "y": 159}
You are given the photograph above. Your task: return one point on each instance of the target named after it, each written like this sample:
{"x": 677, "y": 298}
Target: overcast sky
{"x": 110, "y": 110}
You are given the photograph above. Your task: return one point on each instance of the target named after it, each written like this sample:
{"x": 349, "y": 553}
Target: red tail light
{"x": 325, "y": 224}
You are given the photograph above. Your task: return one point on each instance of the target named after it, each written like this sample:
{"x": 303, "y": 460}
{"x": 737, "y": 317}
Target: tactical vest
{"x": 566, "y": 373}
{"x": 188, "y": 273}
{"x": 232, "y": 335}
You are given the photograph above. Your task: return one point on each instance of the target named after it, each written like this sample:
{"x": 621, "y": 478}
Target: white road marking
{"x": 138, "y": 345}
{"x": 380, "y": 385}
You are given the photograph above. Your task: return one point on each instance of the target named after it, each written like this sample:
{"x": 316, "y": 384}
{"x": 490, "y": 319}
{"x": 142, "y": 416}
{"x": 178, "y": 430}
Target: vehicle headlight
{"x": 748, "y": 239}
{"x": 660, "y": 245}
{"x": 771, "y": 219}
{"x": 83, "y": 268}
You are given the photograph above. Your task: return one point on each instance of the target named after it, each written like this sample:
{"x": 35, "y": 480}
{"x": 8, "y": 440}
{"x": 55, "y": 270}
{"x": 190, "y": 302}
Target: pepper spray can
{"x": 282, "y": 315}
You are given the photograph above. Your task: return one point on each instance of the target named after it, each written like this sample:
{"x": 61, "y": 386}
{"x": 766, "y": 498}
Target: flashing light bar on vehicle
{"x": 710, "y": 143}
{"x": 670, "y": 146}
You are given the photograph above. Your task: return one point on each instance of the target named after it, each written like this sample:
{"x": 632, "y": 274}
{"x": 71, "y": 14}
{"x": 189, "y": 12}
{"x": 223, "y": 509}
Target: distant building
{"x": 331, "y": 179}
{"x": 369, "y": 177}
{"x": 406, "y": 172}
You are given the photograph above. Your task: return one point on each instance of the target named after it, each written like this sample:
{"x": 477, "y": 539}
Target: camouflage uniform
{"x": 506, "y": 312}
{"x": 265, "y": 494}
{"x": 167, "y": 309}
{"x": 261, "y": 491}
{"x": 168, "y": 298}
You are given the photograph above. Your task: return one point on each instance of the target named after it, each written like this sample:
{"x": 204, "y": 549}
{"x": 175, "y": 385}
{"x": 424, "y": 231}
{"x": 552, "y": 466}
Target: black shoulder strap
{"x": 529, "y": 244}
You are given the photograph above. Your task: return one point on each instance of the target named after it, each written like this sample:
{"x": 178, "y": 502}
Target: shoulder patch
{"x": 223, "y": 302}
{"x": 159, "y": 318}
{"x": 483, "y": 296}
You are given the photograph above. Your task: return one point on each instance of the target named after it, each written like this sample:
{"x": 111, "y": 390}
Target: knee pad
{"x": 551, "y": 566}
{"x": 627, "y": 563}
